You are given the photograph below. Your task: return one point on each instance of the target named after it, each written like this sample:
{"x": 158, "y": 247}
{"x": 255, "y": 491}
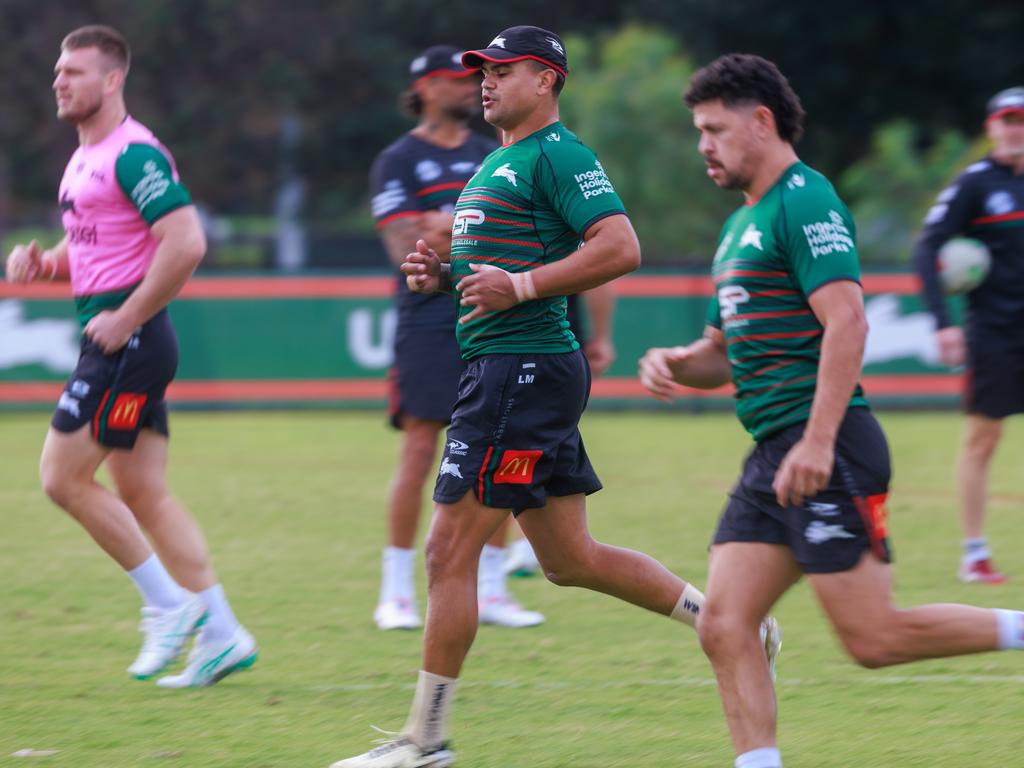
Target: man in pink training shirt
{"x": 132, "y": 240}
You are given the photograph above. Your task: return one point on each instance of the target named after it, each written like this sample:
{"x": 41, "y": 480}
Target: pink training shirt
{"x": 111, "y": 194}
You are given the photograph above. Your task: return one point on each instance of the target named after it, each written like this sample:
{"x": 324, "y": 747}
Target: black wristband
{"x": 444, "y": 279}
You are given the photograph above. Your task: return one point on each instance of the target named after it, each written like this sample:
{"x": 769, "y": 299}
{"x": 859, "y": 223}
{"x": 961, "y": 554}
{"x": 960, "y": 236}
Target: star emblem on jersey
{"x": 498, "y": 42}
{"x": 505, "y": 172}
{"x": 751, "y": 236}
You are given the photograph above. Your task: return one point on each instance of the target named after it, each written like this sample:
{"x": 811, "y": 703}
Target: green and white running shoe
{"x": 166, "y": 633}
{"x": 209, "y": 661}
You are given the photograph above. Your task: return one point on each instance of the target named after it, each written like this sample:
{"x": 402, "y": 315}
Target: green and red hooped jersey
{"x": 771, "y": 256}
{"x": 528, "y": 205}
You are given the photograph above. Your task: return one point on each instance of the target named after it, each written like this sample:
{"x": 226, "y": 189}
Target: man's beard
{"x": 84, "y": 113}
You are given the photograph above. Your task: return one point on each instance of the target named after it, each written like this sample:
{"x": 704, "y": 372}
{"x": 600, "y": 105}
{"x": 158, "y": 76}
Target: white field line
{"x": 692, "y": 682}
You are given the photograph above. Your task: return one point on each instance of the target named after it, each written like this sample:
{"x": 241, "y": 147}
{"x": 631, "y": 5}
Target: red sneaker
{"x": 983, "y": 571}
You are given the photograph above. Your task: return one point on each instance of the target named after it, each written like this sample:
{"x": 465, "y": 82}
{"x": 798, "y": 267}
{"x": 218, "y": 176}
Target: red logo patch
{"x": 126, "y": 411}
{"x": 516, "y": 467}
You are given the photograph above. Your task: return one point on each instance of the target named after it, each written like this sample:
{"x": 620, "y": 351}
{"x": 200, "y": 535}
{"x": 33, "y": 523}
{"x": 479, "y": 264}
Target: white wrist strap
{"x": 522, "y": 284}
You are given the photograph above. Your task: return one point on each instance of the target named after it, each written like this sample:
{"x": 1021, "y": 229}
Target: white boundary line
{"x": 692, "y": 682}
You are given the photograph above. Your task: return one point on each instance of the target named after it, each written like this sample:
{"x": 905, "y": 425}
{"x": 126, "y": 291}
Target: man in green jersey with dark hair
{"x": 514, "y": 443}
{"x": 787, "y": 328}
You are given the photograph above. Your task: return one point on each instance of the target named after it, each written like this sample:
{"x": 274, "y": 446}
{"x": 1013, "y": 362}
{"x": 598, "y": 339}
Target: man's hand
{"x": 110, "y": 330}
{"x": 25, "y": 263}
{"x": 422, "y": 269}
{"x": 658, "y": 368}
{"x": 804, "y": 472}
{"x": 489, "y": 289}
{"x": 600, "y": 354}
{"x": 952, "y": 347}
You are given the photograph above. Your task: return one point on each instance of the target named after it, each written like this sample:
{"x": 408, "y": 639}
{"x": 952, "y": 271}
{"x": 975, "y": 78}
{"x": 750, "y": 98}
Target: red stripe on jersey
{"x": 779, "y": 335}
{"x": 441, "y": 188}
{"x": 477, "y": 196}
{"x": 499, "y": 260}
{"x": 395, "y": 216}
{"x": 1015, "y": 216}
{"x": 776, "y": 292}
{"x": 768, "y": 315}
{"x": 510, "y": 223}
{"x": 748, "y": 273}
{"x": 772, "y": 367}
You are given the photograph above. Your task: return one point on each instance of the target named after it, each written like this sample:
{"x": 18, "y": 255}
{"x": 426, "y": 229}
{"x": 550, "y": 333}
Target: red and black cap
{"x": 439, "y": 61}
{"x": 518, "y": 43}
{"x": 1010, "y": 101}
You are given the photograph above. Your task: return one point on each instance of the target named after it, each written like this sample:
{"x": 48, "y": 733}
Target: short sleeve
{"x": 576, "y": 185}
{"x": 147, "y": 178}
{"x": 392, "y": 190}
{"x": 821, "y": 239}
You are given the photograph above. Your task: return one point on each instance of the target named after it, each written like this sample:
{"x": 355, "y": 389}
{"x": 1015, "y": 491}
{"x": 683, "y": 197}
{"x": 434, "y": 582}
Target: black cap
{"x": 518, "y": 43}
{"x": 439, "y": 61}
{"x": 1006, "y": 102}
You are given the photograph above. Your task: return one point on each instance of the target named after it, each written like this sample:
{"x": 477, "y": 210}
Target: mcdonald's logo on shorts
{"x": 125, "y": 412}
{"x": 516, "y": 467}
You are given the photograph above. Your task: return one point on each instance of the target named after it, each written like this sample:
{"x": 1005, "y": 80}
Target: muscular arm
{"x": 807, "y": 468}
{"x": 181, "y": 247}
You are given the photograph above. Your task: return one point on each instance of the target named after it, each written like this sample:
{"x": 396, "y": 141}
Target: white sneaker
{"x": 399, "y": 613}
{"x": 521, "y": 559}
{"x": 209, "y": 662}
{"x": 503, "y": 611}
{"x": 166, "y": 633}
{"x": 400, "y": 753}
{"x": 771, "y": 636}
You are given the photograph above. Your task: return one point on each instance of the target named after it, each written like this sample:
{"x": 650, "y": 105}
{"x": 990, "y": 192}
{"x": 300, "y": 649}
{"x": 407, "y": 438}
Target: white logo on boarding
{"x": 729, "y": 299}
{"x": 457, "y": 447}
{"x": 447, "y": 468}
{"x": 818, "y": 532}
{"x": 466, "y": 217}
{"x": 751, "y": 236}
{"x": 505, "y": 172}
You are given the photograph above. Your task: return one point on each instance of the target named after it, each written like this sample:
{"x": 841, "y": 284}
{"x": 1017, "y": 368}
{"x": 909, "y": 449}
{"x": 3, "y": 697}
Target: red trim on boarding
{"x": 441, "y": 188}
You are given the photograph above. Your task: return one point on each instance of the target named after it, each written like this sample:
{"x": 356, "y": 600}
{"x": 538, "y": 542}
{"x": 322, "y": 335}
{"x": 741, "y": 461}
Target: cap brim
{"x": 998, "y": 113}
{"x": 475, "y": 59}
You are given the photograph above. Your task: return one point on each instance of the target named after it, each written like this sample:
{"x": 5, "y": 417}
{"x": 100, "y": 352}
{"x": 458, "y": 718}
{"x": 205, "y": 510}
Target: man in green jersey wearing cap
{"x": 787, "y": 328}
{"x": 539, "y": 220}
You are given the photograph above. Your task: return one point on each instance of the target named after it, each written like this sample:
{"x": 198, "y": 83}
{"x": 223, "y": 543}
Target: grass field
{"x": 292, "y": 505}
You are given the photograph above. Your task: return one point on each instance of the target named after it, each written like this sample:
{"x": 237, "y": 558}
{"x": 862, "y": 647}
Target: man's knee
{"x": 881, "y": 641}
{"x": 720, "y": 633}
{"x": 61, "y": 487}
{"x": 981, "y": 442}
{"x": 571, "y": 566}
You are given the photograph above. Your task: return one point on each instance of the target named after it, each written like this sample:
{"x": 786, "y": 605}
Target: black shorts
{"x": 424, "y": 380}
{"x": 121, "y": 394}
{"x": 831, "y": 531}
{"x": 514, "y": 439}
{"x": 995, "y": 375}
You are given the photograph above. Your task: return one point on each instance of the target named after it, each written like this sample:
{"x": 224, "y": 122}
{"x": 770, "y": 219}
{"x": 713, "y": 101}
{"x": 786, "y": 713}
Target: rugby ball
{"x": 963, "y": 264}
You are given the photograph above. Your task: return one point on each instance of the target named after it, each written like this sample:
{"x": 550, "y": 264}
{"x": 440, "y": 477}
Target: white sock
{"x": 220, "y": 622}
{"x": 975, "y": 550}
{"x": 155, "y": 584}
{"x": 491, "y": 578}
{"x": 765, "y": 757}
{"x": 396, "y": 574}
{"x": 1011, "y": 630}
{"x": 690, "y": 604}
{"x": 427, "y": 725}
